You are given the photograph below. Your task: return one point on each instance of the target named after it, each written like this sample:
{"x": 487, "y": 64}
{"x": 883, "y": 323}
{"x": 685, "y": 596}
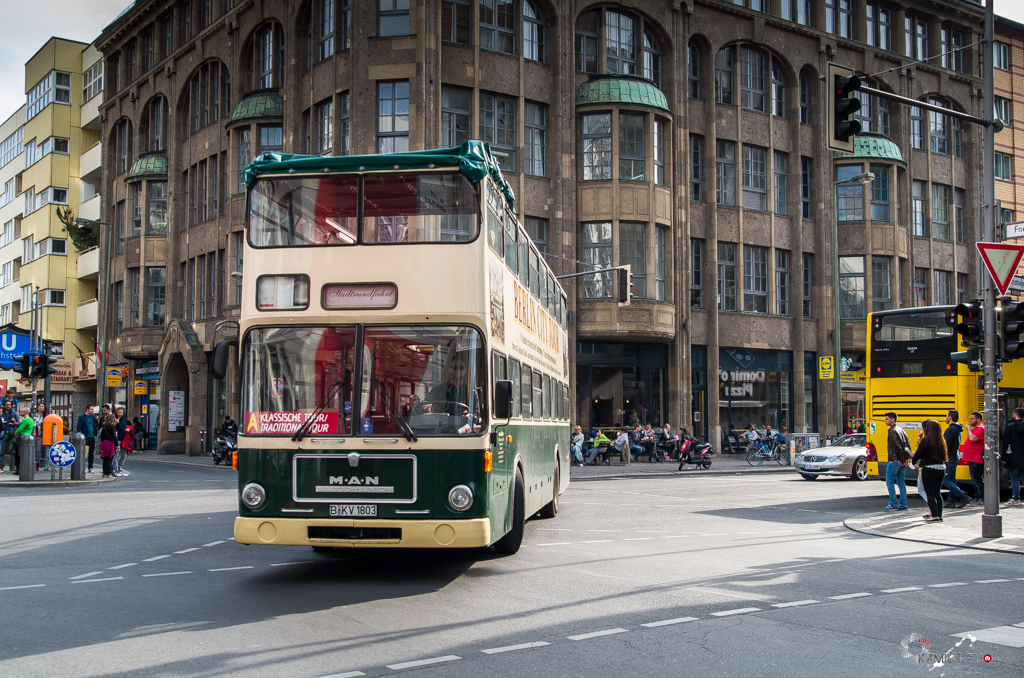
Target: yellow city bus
{"x": 910, "y": 373}
{"x": 404, "y": 356}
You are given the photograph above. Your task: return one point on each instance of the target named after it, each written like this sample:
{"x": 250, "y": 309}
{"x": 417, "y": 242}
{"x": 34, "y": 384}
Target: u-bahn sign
{"x": 14, "y": 341}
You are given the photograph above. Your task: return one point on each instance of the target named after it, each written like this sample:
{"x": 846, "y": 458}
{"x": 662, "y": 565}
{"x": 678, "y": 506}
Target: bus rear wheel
{"x": 512, "y": 540}
{"x": 550, "y": 510}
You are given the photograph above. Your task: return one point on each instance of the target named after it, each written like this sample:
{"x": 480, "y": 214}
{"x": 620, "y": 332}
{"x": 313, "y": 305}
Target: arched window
{"x": 752, "y": 78}
{"x": 778, "y": 91}
{"x": 621, "y": 34}
{"x": 652, "y": 57}
{"x": 620, "y": 42}
{"x": 805, "y": 99}
{"x": 587, "y": 35}
{"x": 693, "y": 68}
{"x": 123, "y": 140}
{"x": 724, "y": 76}
{"x": 209, "y": 96}
{"x": 267, "y": 56}
{"x": 153, "y": 129}
{"x": 533, "y": 32}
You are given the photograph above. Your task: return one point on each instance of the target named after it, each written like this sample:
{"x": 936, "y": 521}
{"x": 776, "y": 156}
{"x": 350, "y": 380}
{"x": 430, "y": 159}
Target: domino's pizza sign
{"x": 62, "y": 454}
{"x": 743, "y": 358}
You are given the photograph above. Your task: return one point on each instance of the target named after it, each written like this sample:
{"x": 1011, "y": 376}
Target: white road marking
{"x": 943, "y": 586}
{"x": 597, "y": 634}
{"x": 729, "y": 613}
{"x": 1011, "y": 636}
{"x": 121, "y": 567}
{"x": 847, "y": 596}
{"x": 902, "y": 590}
{"x": 556, "y": 543}
{"x": 87, "y": 574}
{"x": 150, "y": 560}
{"x": 677, "y": 536}
{"x": 166, "y": 574}
{"x": 347, "y": 674}
{"x": 652, "y": 531}
{"x": 186, "y": 551}
{"x": 27, "y": 586}
{"x": 555, "y": 529}
{"x": 669, "y": 622}
{"x": 92, "y": 581}
{"x": 991, "y": 581}
{"x": 214, "y": 543}
{"x": 296, "y": 562}
{"x": 639, "y": 538}
{"x": 597, "y": 541}
{"x": 228, "y": 569}
{"x": 796, "y": 603}
{"x": 423, "y": 662}
{"x": 514, "y": 648}
{"x": 604, "y": 530}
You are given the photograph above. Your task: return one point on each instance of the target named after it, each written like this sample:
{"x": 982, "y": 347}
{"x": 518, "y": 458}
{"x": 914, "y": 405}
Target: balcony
{"x": 88, "y": 315}
{"x": 89, "y": 264}
{"x": 90, "y": 164}
{"x": 90, "y": 209}
{"x": 91, "y": 113}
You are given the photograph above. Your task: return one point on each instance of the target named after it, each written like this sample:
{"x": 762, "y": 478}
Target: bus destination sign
{"x": 286, "y": 423}
{"x": 363, "y": 295}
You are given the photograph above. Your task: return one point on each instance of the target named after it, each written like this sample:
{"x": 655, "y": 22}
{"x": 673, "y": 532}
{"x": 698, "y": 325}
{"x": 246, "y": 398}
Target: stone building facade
{"x": 686, "y": 139}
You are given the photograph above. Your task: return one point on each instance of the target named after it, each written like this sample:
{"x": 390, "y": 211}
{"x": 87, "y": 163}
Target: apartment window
{"x": 209, "y": 98}
{"x": 498, "y": 25}
{"x": 805, "y": 100}
{"x": 724, "y": 72}
{"x": 6, "y": 271}
{"x": 781, "y": 183}
{"x": 1006, "y": 216}
{"x": 498, "y": 128}
{"x": 918, "y": 209}
{"x": 952, "y": 49}
{"x": 393, "y": 17}
{"x": 805, "y": 12}
{"x": 915, "y": 37}
{"x": 850, "y": 195}
{"x": 916, "y": 127}
{"x": 1002, "y": 110}
{"x": 244, "y": 155}
{"x": 537, "y": 229}
{"x": 659, "y": 152}
{"x": 943, "y": 288}
{"x": 586, "y": 41}
{"x": 805, "y": 188}
{"x": 726, "y": 276}
{"x": 620, "y": 43}
{"x": 597, "y": 254}
{"x": 456, "y": 18}
{"x": 660, "y": 262}
{"x": 652, "y": 58}
{"x": 456, "y": 115}
{"x": 845, "y": 19}
{"x": 725, "y": 169}
{"x": 136, "y": 193}
{"x": 54, "y": 88}
{"x": 1001, "y": 55}
{"x": 940, "y": 211}
{"x": 693, "y": 68}
{"x": 696, "y": 171}
{"x": 883, "y": 38}
{"x": 782, "y": 282}
{"x": 778, "y": 91}
{"x": 92, "y": 82}
{"x": 939, "y": 130}
{"x": 830, "y": 16}
{"x": 535, "y": 143}
{"x": 167, "y": 30}
{"x": 119, "y": 222}
{"x": 324, "y": 128}
{"x": 267, "y": 56}
{"x": 393, "y": 116}
{"x": 808, "y": 284}
{"x": 134, "y": 320}
{"x": 1004, "y": 166}
{"x": 533, "y": 32}
{"x": 119, "y": 305}
{"x": 157, "y": 223}
{"x": 755, "y": 279}
{"x": 755, "y": 178}
{"x": 920, "y": 287}
{"x": 961, "y": 288}
{"x": 851, "y": 288}
{"x": 631, "y": 147}
{"x": 325, "y": 27}
{"x": 959, "y": 196}
{"x": 239, "y": 239}
{"x": 880, "y": 193}
{"x": 633, "y": 252}
{"x": 597, "y": 146}
{"x": 124, "y": 145}
{"x": 881, "y": 283}
{"x": 156, "y": 291}
{"x": 696, "y": 273}
{"x": 7, "y": 236}
{"x": 752, "y": 76}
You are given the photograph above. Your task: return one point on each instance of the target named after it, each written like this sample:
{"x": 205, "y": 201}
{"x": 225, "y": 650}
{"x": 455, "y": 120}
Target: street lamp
{"x": 864, "y": 179}
{"x": 101, "y": 379}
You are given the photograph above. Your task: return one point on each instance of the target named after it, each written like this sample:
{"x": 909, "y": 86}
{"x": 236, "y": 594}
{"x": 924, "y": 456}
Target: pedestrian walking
{"x": 1012, "y": 454}
{"x": 87, "y": 426}
{"x": 898, "y": 446}
{"x": 8, "y": 425}
{"x": 141, "y": 435}
{"x": 974, "y": 451}
{"x": 108, "y": 444}
{"x": 954, "y": 429}
{"x": 930, "y": 460}
{"x": 122, "y": 425}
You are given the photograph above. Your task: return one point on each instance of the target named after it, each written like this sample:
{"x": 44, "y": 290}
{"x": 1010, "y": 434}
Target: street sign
{"x": 114, "y": 376}
{"x": 62, "y": 454}
{"x": 1015, "y": 230}
{"x": 826, "y": 368}
{"x": 1017, "y": 284}
{"x": 141, "y": 388}
{"x": 1001, "y": 260}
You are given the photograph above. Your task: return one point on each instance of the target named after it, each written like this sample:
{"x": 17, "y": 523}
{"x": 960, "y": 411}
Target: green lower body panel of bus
{"x": 368, "y": 533}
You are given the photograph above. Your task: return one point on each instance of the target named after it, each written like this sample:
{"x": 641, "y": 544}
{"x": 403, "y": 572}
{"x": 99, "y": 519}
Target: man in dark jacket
{"x": 1012, "y": 454}
{"x": 88, "y": 426}
{"x": 954, "y": 429}
{"x": 898, "y": 448}
{"x": 9, "y": 419}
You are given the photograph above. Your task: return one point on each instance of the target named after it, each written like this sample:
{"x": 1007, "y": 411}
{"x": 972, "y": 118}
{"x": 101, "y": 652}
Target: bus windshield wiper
{"x": 331, "y": 392}
{"x": 410, "y": 435}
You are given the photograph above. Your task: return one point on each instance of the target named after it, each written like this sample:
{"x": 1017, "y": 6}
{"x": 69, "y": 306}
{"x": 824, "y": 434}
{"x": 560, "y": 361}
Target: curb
{"x": 857, "y": 524}
{"x": 59, "y": 483}
{"x": 686, "y": 472}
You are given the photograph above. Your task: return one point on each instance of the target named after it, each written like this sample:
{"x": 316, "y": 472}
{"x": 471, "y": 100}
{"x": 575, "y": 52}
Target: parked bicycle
{"x": 761, "y": 450}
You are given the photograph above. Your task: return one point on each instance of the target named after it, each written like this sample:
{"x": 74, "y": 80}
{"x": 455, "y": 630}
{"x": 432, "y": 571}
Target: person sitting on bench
{"x": 600, "y": 446}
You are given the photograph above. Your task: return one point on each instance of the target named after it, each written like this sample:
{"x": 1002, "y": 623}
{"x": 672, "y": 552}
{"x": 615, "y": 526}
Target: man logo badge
{"x": 353, "y": 480}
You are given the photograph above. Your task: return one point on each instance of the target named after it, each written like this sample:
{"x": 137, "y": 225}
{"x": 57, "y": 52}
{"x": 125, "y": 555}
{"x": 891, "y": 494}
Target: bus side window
{"x": 498, "y": 366}
{"x": 565, "y": 403}
{"x": 526, "y": 392}
{"x": 524, "y": 256}
{"x": 511, "y": 246}
{"x": 538, "y": 396}
{"x": 514, "y": 377}
{"x": 547, "y": 396}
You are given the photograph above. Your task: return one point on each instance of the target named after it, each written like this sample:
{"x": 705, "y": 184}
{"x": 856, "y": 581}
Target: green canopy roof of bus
{"x": 473, "y": 159}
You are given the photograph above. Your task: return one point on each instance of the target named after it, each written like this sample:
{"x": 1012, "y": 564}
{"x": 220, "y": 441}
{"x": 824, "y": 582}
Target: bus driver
{"x": 453, "y": 396}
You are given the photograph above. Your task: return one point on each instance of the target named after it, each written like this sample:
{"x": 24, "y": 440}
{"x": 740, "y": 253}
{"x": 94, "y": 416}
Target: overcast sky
{"x": 27, "y": 24}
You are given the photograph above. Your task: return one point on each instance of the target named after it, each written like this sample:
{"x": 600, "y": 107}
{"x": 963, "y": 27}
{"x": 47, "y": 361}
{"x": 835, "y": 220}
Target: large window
{"x": 1004, "y": 166}
{"x": 724, "y": 73}
{"x": 597, "y": 146}
{"x": 620, "y": 42}
{"x": 752, "y": 79}
{"x": 881, "y": 283}
{"x": 157, "y": 223}
{"x": 497, "y": 25}
{"x": 920, "y": 287}
{"x": 498, "y": 128}
{"x": 755, "y": 279}
{"x": 156, "y": 281}
{"x": 630, "y": 47}
{"x": 392, "y": 17}
{"x": 631, "y": 147}
{"x": 755, "y": 177}
{"x": 54, "y": 88}
{"x": 696, "y": 273}
{"x": 850, "y": 195}
{"x": 781, "y": 183}
{"x": 597, "y": 254}
{"x": 918, "y": 209}
{"x": 805, "y": 188}
{"x": 725, "y": 169}
{"x": 267, "y": 56}
{"x": 533, "y": 32}
{"x": 880, "y": 193}
{"x": 943, "y": 288}
{"x": 209, "y": 96}
{"x": 693, "y": 69}
{"x": 456, "y": 19}
{"x": 652, "y": 57}
{"x": 393, "y": 117}
{"x": 808, "y": 284}
{"x": 940, "y": 211}
{"x": 633, "y": 252}
{"x": 851, "y": 288}
{"x": 660, "y": 262}
{"x": 535, "y": 144}
{"x": 456, "y": 115}
{"x": 726, "y": 276}
{"x": 696, "y": 171}
{"x": 782, "y": 282}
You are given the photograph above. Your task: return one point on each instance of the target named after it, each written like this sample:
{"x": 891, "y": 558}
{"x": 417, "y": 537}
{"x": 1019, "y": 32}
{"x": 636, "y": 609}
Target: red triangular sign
{"x": 1001, "y": 260}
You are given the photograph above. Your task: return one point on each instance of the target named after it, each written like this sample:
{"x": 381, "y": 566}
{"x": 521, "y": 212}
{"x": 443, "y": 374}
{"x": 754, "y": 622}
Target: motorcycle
{"x": 692, "y": 451}
{"x": 223, "y": 447}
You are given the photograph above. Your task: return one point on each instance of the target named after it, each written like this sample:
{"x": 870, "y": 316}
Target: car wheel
{"x": 860, "y": 469}
{"x": 808, "y": 476}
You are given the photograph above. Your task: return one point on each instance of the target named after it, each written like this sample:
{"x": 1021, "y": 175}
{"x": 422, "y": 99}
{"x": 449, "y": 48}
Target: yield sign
{"x": 1001, "y": 260}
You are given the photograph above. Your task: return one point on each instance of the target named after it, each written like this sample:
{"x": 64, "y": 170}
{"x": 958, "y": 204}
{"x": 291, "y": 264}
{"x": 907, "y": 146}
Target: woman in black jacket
{"x": 930, "y": 459}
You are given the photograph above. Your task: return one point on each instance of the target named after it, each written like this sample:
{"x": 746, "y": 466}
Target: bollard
{"x": 27, "y": 458}
{"x": 78, "y": 467}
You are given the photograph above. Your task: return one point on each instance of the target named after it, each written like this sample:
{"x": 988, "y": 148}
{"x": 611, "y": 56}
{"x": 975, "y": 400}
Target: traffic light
{"x": 1011, "y": 326}
{"x": 842, "y": 84}
{"x": 42, "y": 365}
{"x": 23, "y": 365}
{"x": 624, "y": 287}
{"x": 971, "y": 334}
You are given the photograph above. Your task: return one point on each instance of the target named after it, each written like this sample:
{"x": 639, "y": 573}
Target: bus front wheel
{"x": 550, "y": 510}
{"x": 512, "y": 540}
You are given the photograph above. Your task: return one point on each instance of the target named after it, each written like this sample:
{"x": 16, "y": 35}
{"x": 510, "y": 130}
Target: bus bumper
{"x": 470, "y": 533}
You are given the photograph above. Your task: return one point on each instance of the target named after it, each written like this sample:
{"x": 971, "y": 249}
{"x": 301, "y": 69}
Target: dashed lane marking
{"x": 347, "y": 674}
{"x": 423, "y": 662}
{"x": 947, "y": 585}
{"x": 167, "y": 574}
{"x": 902, "y": 590}
{"x": 27, "y": 586}
{"x": 597, "y": 634}
{"x": 93, "y": 581}
{"x": 228, "y": 569}
{"x": 515, "y": 648}
{"x": 596, "y": 541}
{"x": 556, "y": 543}
{"x": 639, "y": 539}
{"x": 86, "y": 575}
{"x": 991, "y": 581}
{"x": 121, "y": 567}
{"x": 669, "y": 622}
{"x": 796, "y": 603}
{"x": 150, "y": 560}
{"x": 851, "y": 595}
{"x": 295, "y": 562}
{"x": 178, "y": 553}
{"x": 213, "y": 543}
{"x": 741, "y": 610}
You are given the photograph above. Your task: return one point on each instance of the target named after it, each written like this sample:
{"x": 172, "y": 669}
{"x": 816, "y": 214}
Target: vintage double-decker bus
{"x": 403, "y": 353}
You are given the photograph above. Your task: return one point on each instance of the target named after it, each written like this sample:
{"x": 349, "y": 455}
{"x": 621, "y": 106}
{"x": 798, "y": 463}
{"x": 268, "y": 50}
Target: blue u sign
{"x": 14, "y": 341}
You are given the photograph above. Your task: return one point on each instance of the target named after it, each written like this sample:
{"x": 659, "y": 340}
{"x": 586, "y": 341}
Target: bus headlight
{"x": 253, "y": 496}
{"x": 460, "y": 498}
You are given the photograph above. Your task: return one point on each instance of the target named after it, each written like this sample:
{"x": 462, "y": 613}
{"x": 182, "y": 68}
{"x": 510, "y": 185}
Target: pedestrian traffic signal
{"x": 42, "y": 365}
{"x": 23, "y": 365}
{"x": 1011, "y": 326}
{"x": 625, "y": 289}
{"x": 842, "y": 128}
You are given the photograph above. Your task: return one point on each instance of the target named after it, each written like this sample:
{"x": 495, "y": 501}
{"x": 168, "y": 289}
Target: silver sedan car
{"x": 846, "y": 456}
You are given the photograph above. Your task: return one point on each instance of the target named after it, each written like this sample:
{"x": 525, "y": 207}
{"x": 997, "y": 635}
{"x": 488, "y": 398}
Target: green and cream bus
{"x": 403, "y": 353}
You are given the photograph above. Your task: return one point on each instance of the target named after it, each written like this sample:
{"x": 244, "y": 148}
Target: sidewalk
{"x": 42, "y": 479}
{"x": 180, "y": 459}
{"x": 721, "y": 464}
{"x": 959, "y": 527}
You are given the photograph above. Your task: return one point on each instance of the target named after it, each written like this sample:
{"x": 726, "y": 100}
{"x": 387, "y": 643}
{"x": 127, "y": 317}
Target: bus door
{"x": 501, "y": 449}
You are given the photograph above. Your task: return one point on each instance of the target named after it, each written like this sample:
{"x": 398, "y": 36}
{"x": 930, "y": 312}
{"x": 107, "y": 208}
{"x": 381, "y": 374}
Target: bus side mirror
{"x": 502, "y": 399}
{"x": 219, "y": 366}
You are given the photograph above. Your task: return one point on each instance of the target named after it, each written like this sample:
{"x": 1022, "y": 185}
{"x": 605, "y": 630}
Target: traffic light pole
{"x": 991, "y": 521}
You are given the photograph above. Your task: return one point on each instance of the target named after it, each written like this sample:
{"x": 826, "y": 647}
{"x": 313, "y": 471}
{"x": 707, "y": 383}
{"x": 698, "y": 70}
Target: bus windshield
{"x": 368, "y": 380}
{"x": 395, "y": 208}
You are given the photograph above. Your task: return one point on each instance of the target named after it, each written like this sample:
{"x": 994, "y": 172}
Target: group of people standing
{"x": 116, "y": 435}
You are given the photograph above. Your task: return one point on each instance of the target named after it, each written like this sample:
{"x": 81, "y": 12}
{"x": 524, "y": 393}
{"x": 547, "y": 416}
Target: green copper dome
{"x": 259, "y": 105}
{"x": 631, "y": 90}
{"x": 872, "y": 146}
{"x": 149, "y": 165}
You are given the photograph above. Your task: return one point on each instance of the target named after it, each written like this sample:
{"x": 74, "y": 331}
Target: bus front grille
{"x": 354, "y": 533}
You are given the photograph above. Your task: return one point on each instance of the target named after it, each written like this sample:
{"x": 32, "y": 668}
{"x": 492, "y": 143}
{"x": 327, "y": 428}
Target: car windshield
{"x": 424, "y": 380}
{"x": 850, "y": 441}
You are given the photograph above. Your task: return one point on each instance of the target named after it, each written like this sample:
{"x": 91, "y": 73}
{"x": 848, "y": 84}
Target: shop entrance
{"x": 620, "y": 384}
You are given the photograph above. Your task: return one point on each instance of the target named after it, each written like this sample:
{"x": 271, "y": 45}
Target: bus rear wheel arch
{"x": 513, "y": 539}
{"x": 550, "y": 510}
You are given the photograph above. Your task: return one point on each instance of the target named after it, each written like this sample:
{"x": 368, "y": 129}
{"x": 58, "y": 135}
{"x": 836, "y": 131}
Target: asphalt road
{"x": 726, "y": 575}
